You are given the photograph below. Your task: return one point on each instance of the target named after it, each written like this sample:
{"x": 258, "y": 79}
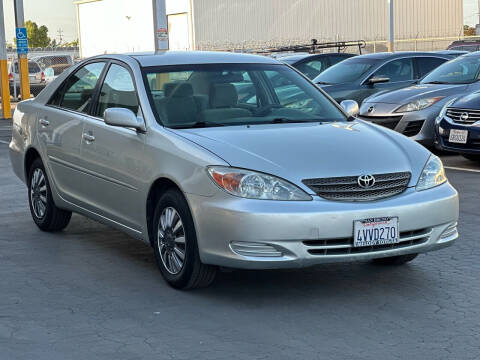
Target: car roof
{"x": 198, "y": 57}
{"x": 298, "y": 57}
{"x": 399, "y": 54}
{"x": 475, "y": 53}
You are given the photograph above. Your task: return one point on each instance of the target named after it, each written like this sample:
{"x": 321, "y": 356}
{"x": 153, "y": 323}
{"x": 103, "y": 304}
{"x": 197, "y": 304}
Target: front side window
{"x": 346, "y": 71}
{"x": 462, "y": 70}
{"x": 427, "y": 64}
{"x": 235, "y": 94}
{"x": 397, "y": 70}
{"x": 77, "y": 92}
{"x": 118, "y": 90}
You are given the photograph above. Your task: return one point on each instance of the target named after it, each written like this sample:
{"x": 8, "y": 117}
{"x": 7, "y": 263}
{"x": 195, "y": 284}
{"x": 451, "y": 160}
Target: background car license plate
{"x": 375, "y": 231}
{"x": 458, "y": 136}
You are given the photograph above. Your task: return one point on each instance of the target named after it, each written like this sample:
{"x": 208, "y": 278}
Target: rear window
{"x": 33, "y": 68}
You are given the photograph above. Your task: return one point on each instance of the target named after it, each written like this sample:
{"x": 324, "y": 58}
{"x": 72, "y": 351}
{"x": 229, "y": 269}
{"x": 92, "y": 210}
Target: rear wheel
{"x": 395, "y": 260}
{"x": 175, "y": 244}
{"x": 472, "y": 157}
{"x": 44, "y": 212}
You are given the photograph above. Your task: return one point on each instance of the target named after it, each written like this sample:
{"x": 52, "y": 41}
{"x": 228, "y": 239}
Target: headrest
{"x": 177, "y": 89}
{"x": 223, "y": 95}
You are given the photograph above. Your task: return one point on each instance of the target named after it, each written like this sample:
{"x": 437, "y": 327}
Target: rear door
{"x": 60, "y": 128}
{"x": 114, "y": 156}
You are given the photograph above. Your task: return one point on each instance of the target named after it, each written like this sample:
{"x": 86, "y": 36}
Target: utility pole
{"x": 60, "y": 38}
{"x": 4, "y": 86}
{"x": 391, "y": 40}
{"x": 22, "y": 49}
{"x": 160, "y": 25}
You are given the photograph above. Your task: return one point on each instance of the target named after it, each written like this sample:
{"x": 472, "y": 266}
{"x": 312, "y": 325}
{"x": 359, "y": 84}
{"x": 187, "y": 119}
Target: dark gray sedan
{"x": 362, "y": 76}
{"x": 311, "y": 65}
{"x": 412, "y": 110}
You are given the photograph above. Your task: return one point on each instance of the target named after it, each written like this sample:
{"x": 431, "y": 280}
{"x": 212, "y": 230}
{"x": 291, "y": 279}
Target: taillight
{"x": 10, "y": 77}
{"x": 43, "y": 77}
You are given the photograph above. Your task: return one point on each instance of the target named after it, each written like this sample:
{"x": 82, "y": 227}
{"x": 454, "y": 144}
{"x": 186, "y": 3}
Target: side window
{"x": 397, "y": 70}
{"x": 118, "y": 91}
{"x": 427, "y": 64}
{"x": 313, "y": 68}
{"x": 335, "y": 59}
{"x": 77, "y": 92}
{"x": 247, "y": 93}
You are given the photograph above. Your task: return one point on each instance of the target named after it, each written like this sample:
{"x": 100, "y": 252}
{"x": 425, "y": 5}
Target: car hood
{"x": 470, "y": 101}
{"x": 416, "y": 92}
{"x": 303, "y": 151}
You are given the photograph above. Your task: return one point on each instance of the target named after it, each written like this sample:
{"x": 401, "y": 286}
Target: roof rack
{"x": 315, "y": 47}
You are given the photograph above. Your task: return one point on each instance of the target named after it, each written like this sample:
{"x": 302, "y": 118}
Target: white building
{"x": 127, "y": 25}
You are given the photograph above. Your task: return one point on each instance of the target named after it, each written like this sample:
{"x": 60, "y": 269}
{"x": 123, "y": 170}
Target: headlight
{"x": 433, "y": 174}
{"x": 444, "y": 109}
{"x": 254, "y": 185}
{"x": 418, "y": 104}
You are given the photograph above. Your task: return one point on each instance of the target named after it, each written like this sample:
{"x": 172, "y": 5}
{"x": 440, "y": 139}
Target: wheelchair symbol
{"x": 20, "y": 34}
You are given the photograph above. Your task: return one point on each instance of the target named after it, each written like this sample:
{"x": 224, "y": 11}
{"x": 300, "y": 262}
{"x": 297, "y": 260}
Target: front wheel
{"x": 395, "y": 260}
{"x": 472, "y": 157}
{"x": 44, "y": 212}
{"x": 175, "y": 244}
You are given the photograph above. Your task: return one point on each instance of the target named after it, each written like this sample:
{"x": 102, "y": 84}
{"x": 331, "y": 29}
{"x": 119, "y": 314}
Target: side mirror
{"x": 350, "y": 107}
{"x": 378, "y": 80}
{"x": 124, "y": 118}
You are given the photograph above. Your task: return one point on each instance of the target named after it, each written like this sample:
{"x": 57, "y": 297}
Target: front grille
{"x": 345, "y": 246}
{"x": 390, "y": 122}
{"x": 463, "y": 116}
{"x": 346, "y": 188}
{"x": 413, "y": 128}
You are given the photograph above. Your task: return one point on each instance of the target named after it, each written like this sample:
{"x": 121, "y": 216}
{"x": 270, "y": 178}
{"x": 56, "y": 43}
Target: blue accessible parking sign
{"x": 22, "y": 41}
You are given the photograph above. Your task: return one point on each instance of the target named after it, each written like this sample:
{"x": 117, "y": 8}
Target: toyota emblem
{"x": 464, "y": 116}
{"x": 366, "y": 181}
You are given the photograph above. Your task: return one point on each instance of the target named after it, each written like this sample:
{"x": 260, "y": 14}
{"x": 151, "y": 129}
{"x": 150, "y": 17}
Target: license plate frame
{"x": 458, "y": 136}
{"x": 368, "y": 232}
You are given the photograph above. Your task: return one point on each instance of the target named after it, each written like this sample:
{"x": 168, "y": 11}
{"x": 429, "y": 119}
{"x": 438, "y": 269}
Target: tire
{"x": 174, "y": 238}
{"x": 45, "y": 214}
{"x": 395, "y": 260}
{"x": 472, "y": 157}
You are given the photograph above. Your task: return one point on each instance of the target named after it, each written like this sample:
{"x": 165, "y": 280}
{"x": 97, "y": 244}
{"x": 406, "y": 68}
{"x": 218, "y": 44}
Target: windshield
{"x": 462, "y": 70}
{"x": 235, "y": 94}
{"x": 346, "y": 71}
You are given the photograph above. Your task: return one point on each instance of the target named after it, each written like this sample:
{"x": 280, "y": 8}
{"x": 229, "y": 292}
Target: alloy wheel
{"x": 38, "y": 193}
{"x": 171, "y": 240}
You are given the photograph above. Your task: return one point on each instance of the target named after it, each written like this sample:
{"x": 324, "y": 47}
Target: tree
{"x": 37, "y": 36}
{"x": 468, "y": 31}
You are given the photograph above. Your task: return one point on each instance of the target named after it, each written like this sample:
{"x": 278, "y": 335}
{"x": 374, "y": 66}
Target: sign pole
{"x": 391, "y": 40}
{"x": 4, "y": 86}
{"x": 22, "y": 49}
{"x": 160, "y": 25}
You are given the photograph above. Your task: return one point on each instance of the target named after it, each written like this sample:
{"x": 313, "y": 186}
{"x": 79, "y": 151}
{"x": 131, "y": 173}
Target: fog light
{"x": 254, "y": 249}
{"x": 441, "y": 131}
{"x": 449, "y": 231}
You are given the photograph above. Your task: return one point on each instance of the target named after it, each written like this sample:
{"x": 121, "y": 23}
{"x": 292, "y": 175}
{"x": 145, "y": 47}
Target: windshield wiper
{"x": 436, "y": 82}
{"x": 281, "y": 120}
{"x": 323, "y": 83}
{"x": 198, "y": 124}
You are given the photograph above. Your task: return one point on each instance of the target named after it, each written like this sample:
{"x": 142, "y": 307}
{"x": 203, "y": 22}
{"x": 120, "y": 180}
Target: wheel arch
{"x": 30, "y": 155}
{"x": 158, "y": 187}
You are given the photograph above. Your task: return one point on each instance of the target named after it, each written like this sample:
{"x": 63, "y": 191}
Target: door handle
{"x": 88, "y": 137}
{"x": 44, "y": 122}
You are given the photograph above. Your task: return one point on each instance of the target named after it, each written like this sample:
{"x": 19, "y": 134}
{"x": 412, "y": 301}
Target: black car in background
{"x": 362, "y": 76}
{"x": 311, "y": 65}
{"x": 457, "y": 128}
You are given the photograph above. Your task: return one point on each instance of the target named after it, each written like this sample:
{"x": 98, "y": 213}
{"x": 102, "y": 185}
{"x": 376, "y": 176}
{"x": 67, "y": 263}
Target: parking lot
{"x": 92, "y": 292}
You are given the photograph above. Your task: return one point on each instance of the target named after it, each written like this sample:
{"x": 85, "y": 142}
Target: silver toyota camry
{"x": 219, "y": 159}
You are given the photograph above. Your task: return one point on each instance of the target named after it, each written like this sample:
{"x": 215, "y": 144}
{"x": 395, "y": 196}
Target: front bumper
{"x": 259, "y": 234}
{"x": 417, "y": 125}
{"x": 441, "y": 137}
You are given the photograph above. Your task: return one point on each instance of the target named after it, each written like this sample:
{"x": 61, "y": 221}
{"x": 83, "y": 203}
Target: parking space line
{"x": 4, "y": 142}
{"x": 462, "y": 169}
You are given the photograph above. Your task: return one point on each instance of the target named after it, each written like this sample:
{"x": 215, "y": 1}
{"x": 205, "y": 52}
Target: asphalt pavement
{"x": 91, "y": 292}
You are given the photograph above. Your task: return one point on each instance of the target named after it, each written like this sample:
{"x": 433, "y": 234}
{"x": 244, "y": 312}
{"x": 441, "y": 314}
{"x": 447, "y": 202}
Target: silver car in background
{"x": 163, "y": 148}
{"x": 412, "y": 111}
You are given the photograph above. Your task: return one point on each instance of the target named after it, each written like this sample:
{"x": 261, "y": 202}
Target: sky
{"x": 61, "y": 14}
{"x": 55, "y": 14}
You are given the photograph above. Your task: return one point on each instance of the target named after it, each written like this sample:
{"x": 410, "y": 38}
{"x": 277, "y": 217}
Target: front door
{"x": 114, "y": 156}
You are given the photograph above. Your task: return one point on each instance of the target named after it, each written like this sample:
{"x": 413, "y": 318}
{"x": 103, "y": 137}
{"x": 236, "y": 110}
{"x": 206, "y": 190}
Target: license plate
{"x": 375, "y": 231}
{"x": 458, "y": 136}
